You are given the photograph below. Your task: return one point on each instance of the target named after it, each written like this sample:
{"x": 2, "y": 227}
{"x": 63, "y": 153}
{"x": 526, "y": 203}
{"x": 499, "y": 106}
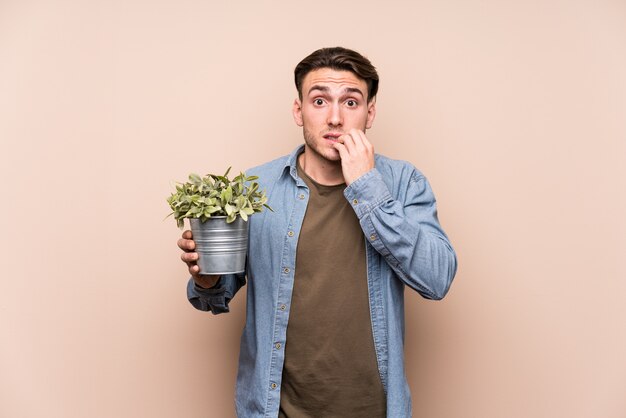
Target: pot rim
{"x": 216, "y": 218}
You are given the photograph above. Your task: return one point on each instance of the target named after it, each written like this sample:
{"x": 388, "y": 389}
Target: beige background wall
{"x": 515, "y": 111}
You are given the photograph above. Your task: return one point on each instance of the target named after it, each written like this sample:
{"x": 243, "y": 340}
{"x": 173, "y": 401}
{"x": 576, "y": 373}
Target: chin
{"x": 329, "y": 154}
{"x": 334, "y": 157}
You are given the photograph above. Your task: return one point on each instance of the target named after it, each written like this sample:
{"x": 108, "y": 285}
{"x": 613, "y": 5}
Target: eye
{"x": 319, "y": 102}
{"x": 351, "y": 103}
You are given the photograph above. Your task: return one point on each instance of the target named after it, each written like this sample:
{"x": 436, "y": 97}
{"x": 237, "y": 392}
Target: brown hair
{"x": 340, "y": 59}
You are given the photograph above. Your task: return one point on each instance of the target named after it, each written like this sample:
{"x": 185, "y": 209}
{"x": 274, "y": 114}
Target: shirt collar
{"x": 291, "y": 166}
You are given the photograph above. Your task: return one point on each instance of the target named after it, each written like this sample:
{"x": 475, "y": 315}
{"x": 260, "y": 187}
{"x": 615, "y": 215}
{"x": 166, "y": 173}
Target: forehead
{"x": 333, "y": 79}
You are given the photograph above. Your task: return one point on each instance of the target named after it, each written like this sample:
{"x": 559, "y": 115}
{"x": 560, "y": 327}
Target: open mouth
{"x": 333, "y": 136}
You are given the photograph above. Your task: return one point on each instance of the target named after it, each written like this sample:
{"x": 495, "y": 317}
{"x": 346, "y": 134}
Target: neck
{"x": 323, "y": 171}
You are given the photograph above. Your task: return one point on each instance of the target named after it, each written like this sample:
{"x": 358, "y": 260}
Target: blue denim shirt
{"x": 405, "y": 247}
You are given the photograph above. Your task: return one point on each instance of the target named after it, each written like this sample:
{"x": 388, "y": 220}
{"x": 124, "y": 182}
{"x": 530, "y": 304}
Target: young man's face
{"x": 333, "y": 102}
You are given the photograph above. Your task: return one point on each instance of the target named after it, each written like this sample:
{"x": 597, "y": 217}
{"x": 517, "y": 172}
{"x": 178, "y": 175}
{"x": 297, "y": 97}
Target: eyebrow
{"x": 326, "y": 89}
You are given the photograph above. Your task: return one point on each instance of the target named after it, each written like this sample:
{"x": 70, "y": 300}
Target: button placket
{"x": 285, "y": 283}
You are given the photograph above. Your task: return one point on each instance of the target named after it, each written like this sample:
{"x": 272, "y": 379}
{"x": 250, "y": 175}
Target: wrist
{"x": 206, "y": 281}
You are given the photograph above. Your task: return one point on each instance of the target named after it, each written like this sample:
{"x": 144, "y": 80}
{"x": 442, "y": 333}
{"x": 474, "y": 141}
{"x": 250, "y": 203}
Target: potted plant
{"x": 218, "y": 209}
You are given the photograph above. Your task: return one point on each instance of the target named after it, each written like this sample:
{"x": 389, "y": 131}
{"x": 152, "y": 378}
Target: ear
{"x": 371, "y": 113}
{"x": 297, "y": 112}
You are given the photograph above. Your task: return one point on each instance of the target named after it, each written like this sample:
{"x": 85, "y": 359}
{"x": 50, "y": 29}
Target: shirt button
{"x": 273, "y": 385}
{"x": 373, "y": 237}
{"x": 286, "y": 270}
{"x": 300, "y": 196}
{"x": 354, "y": 202}
{"x": 290, "y": 233}
{"x": 283, "y": 307}
{"x": 278, "y": 346}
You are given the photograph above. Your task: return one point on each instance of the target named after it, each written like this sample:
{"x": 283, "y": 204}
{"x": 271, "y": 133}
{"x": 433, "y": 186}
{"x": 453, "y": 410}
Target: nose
{"x": 335, "y": 116}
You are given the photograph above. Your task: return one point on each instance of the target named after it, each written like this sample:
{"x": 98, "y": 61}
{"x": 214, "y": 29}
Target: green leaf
{"x": 213, "y": 209}
{"x": 195, "y": 179}
{"x": 203, "y": 197}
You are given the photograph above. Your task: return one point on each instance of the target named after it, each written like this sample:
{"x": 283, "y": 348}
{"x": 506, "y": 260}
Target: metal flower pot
{"x": 221, "y": 246}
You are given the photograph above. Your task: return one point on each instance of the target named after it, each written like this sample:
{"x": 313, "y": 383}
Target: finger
{"x": 358, "y": 141}
{"x": 187, "y": 234}
{"x": 189, "y": 258}
{"x": 186, "y": 244}
{"x": 343, "y": 152}
{"x": 362, "y": 140}
{"x": 194, "y": 270}
{"x": 347, "y": 141}
{"x": 357, "y": 135}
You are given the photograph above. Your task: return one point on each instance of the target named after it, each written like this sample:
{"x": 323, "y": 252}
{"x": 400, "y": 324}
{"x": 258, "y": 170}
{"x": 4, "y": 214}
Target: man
{"x": 327, "y": 268}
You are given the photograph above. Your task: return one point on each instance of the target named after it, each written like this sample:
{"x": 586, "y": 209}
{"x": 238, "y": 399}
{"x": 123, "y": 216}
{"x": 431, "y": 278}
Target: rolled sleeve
{"x": 209, "y": 300}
